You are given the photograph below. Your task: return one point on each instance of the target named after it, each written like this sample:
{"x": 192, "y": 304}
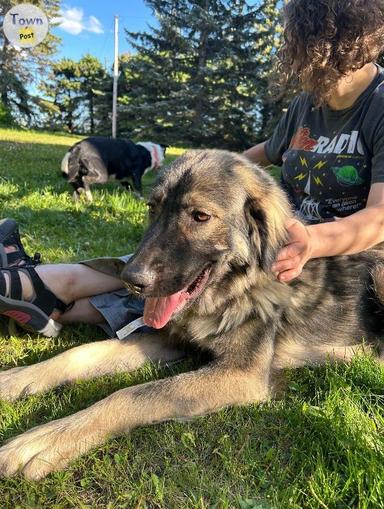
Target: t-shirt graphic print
{"x": 330, "y": 158}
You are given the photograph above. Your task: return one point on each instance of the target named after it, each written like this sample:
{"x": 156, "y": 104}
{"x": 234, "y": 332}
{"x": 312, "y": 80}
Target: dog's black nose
{"x": 136, "y": 280}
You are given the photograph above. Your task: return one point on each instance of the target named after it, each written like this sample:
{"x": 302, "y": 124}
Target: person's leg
{"x": 37, "y": 297}
{"x": 82, "y": 312}
{"x": 74, "y": 281}
{"x": 69, "y": 282}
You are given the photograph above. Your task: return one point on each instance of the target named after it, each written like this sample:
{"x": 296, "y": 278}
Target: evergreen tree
{"x": 93, "y": 80}
{"x": 200, "y": 78}
{"x": 63, "y": 92}
{"x": 75, "y": 95}
{"x": 20, "y": 69}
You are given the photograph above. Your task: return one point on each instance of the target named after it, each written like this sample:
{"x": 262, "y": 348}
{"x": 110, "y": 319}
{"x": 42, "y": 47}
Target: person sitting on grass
{"x": 330, "y": 143}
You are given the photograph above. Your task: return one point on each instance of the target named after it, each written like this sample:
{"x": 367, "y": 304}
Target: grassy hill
{"x": 320, "y": 445}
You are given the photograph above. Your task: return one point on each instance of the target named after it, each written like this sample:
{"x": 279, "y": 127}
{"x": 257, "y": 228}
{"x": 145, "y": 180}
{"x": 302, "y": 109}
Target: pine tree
{"x": 200, "y": 78}
{"x": 75, "y": 95}
{"x": 62, "y": 90}
{"x": 20, "y": 69}
{"x": 92, "y": 77}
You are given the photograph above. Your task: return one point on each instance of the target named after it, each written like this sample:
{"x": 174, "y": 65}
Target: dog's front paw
{"x": 19, "y": 382}
{"x": 44, "y": 449}
{"x": 15, "y": 383}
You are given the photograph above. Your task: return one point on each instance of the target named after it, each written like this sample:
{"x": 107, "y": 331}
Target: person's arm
{"x": 352, "y": 234}
{"x": 256, "y": 154}
{"x": 271, "y": 151}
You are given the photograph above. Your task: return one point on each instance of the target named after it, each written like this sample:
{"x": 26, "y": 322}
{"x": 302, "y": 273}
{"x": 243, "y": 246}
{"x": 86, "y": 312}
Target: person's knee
{"x": 82, "y": 312}
{"x": 62, "y": 279}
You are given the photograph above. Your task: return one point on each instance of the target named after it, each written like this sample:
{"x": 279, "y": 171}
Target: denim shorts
{"x": 119, "y": 307}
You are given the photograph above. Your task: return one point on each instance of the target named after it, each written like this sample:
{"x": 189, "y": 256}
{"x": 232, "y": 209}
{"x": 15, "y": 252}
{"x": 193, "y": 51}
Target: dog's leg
{"x": 87, "y": 190}
{"x": 51, "y": 446}
{"x": 137, "y": 186}
{"x": 76, "y": 195}
{"x": 84, "y": 362}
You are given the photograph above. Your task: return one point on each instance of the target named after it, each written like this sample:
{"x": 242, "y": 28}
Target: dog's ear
{"x": 261, "y": 236}
{"x": 267, "y": 211}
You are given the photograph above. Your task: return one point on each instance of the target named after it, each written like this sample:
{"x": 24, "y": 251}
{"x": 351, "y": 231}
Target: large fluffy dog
{"x": 95, "y": 160}
{"x": 204, "y": 266}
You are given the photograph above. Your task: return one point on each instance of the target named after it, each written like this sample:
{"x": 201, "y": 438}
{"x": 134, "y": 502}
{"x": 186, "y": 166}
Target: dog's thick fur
{"x": 97, "y": 159}
{"x": 213, "y": 213}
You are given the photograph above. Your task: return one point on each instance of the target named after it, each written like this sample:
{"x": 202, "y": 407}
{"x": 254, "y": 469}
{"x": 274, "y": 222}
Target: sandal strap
{"x": 44, "y": 299}
{"x": 3, "y": 285}
{"x": 13, "y": 257}
{"x": 3, "y": 256}
{"x": 10, "y": 236}
{"x": 21, "y": 256}
{"x": 15, "y": 290}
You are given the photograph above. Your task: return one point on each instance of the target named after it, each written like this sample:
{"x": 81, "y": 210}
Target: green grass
{"x": 320, "y": 445}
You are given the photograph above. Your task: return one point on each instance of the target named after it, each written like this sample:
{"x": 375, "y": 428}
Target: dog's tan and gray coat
{"x": 212, "y": 212}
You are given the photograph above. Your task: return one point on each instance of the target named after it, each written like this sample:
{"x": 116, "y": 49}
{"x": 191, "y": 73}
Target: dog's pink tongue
{"x": 158, "y": 310}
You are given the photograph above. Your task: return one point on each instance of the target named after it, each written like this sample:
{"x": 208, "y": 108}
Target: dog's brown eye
{"x": 201, "y": 217}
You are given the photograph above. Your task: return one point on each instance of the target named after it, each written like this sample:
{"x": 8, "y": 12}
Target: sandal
{"x": 9, "y": 236}
{"x": 30, "y": 314}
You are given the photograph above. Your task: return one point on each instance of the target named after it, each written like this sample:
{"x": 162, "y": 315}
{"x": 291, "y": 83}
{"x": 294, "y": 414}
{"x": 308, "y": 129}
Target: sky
{"x": 86, "y": 26}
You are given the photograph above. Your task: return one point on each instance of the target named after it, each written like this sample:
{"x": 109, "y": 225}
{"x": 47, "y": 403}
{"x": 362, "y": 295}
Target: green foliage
{"x": 63, "y": 88}
{"x": 201, "y": 77}
{"x": 93, "y": 80}
{"x": 75, "y": 91}
{"x": 6, "y": 119}
{"x": 320, "y": 445}
{"x": 19, "y": 68}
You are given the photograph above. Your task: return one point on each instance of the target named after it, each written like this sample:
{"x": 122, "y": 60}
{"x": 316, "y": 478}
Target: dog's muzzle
{"x": 134, "y": 289}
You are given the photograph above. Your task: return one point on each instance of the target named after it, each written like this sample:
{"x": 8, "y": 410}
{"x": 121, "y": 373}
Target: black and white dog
{"x": 95, "y": 160}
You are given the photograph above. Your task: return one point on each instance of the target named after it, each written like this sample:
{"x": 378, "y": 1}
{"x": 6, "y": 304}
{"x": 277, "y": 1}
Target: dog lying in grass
{"x": 96, "y": 160}
{"x": 204, "y": 268}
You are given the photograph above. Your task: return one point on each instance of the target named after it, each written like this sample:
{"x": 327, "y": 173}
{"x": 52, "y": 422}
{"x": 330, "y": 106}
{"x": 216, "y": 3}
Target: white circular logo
{"x": 25, "y": 25}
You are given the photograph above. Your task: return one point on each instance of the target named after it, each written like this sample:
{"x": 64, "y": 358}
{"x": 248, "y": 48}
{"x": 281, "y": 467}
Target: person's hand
{"x": 292, "y": 258}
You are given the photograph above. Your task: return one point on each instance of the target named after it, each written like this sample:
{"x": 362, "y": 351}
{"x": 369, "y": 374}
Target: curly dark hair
{"x": 324, "y": 40}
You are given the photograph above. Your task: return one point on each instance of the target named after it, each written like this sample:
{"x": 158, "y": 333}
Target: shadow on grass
{"x": 281, "y": 450}
{"x": 33, "y": 192}
{"x": 74, "y": 235}
{"x": 34, "y": 167}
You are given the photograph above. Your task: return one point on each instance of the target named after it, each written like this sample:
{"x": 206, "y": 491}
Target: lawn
{"x": 319, "y": 445}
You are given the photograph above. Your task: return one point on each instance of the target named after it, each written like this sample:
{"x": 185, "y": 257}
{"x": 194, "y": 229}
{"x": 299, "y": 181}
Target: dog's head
{"x": 213, "y": 216}
{"x": 157, "y": 153}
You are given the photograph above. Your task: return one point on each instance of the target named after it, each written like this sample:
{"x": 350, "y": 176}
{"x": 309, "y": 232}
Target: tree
{"x": 93, "y": 79}
{"x": 75, "y": 93}
{"x": 19, "y": 68}
{"x": 200, "y": 77}
{"x": 63, "y": 91}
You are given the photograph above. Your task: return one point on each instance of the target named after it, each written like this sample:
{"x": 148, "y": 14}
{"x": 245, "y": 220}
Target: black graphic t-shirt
{"x": 330, "y": 158}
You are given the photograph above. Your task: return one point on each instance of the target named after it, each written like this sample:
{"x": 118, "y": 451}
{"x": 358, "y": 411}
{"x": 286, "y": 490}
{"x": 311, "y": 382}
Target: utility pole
{"x": 115, "y": 78}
